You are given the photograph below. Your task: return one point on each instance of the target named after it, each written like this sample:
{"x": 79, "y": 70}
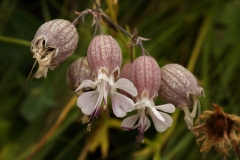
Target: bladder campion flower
{"x": 145, "y": 75}
{"x": 77, "y": 72}
{"x": 180, "y": 88}
{"x": 220, "y": 130}
{"x": 105, "y": 58}
{"x": 53, "y": 42}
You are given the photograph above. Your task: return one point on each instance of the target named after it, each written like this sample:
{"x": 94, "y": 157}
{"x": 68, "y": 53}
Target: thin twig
{"x": 237, "y": 150}
{"x": 136, "y": 40}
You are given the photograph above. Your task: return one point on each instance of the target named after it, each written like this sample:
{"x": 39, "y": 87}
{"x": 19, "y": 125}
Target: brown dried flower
{"x": 220, "y": 130}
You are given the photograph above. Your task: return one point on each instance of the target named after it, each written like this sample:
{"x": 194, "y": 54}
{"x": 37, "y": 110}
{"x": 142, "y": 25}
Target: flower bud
{"x": 146, "y": 76}
{"x": 177, "y": 86}
{"x": 54, "y": 41}
{"x": 104, "y": 52}
{"x": 77, "y": 72}
{"x": 180, "y": 88}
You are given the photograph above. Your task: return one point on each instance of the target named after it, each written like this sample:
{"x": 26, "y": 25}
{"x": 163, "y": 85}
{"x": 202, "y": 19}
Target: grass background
{"x": 40, "y": 123}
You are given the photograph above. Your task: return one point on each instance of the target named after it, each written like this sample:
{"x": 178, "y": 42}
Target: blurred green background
{"x": 40, "y": 123}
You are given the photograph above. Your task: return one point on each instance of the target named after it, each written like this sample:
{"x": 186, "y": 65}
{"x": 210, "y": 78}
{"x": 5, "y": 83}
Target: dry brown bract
{"x": 220, "y": 130}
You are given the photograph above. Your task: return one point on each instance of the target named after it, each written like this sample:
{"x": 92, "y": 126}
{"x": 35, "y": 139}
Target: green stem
{"x": 113, "y": 17}
{"x": 112, "y": 14}
{"x": 197, "y": 47}
{"x": 45, "y": 10}
{"x": 15, "y": 41}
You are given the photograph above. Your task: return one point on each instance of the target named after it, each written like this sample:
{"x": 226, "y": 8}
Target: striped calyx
{"x": 146, "y": 77}
{"x": 77, "y": 72}
{"x": 104, "y": 53}
{"x": 178, "y": 85}
{"x": 126, "y": 73}
{"x": 53, "y": 42}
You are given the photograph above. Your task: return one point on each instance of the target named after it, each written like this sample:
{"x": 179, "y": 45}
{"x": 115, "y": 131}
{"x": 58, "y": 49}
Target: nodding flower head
{"x": 53, "y": 42}
{"x": 104, "y": 55}
{"x": 146, "y": 76}
{"x": 105, "y": 58}
{"x": 180, "y": 88}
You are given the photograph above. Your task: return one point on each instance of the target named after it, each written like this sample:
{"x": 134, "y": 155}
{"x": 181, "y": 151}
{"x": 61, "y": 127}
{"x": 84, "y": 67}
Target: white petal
{"x": 155, "y": 113}
{"x": 168, "y": 119}
{"x": 169, "y": 108}
{"x": 86, "y": 83}
{"x": 102, "y": 75}
{"x": 160, "y": 125}
{"x": 130, "y": 121}
{"x": 127, "y": 86}
{"x": 121, "y": 104}
{"x": 117, "y": 110}
{"x": 148, "y": 124}
{"x": 105, "y": 91}
{"x": 87, "y": 102}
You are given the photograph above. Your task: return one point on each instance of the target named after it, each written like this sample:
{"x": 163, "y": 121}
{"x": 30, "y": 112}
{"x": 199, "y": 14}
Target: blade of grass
{"x": 54, "y": 127}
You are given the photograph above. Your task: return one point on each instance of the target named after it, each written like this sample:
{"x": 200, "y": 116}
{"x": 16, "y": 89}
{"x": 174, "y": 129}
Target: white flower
{"x": 147, "y": 107}
{"x": 91, "y": 102}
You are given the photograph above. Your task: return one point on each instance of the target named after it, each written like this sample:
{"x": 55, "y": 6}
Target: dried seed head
{"x": 146, "y": 76}
{"x": 104, "y": 52}
{"x": 219, "y": 130}
{"x": 77, "y": 73}
{"x": 54, "y": 41}
{"x": 178, "y": 86}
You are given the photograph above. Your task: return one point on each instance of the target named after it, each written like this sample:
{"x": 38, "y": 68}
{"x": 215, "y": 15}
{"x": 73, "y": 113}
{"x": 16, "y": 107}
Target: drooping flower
{"x": 105, "y": 58}
{"x": 77, "y": 72}
{"x": 146, "y": 77}
{"x": 220, "y": 130}
{"x": 53, "y": 42}
{"x": 180, "y": 88}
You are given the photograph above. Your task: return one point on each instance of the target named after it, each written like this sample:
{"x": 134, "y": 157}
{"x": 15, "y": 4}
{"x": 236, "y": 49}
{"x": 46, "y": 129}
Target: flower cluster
{"x": 98, "y": 77}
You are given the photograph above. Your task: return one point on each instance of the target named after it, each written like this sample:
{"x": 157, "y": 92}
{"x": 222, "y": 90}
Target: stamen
{"x": 188, "y": 118}
{"x": 98, "y": 110}
{"x": 104, "y": 106}
{"x": 92, "y": 116}
{"x": 89, "y": 127}
{"x": 140, "y": 136}
{"x": 107, "y": 112}
{"x": 194, "y": 111}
